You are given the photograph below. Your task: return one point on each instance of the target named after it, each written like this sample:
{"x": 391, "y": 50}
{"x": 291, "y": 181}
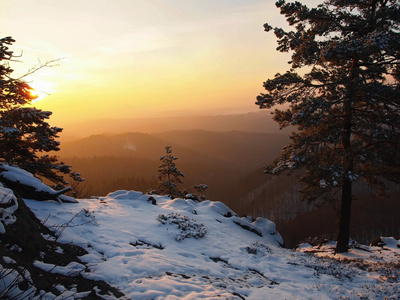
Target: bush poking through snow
{"x": 188, "y": 227}
{"x": 258, "y": 249}
{"x": 86, "y": 217}
{"x": 15, "y": 281}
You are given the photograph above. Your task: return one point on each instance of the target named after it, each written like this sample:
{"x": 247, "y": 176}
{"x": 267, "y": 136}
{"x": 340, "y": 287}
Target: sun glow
{"x": 151, "y": 59}
{"x": 40, "y": 89}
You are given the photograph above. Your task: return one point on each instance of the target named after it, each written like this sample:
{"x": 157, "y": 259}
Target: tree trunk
{"x": 345, "y": 207}
{"x": 344, "y": 219}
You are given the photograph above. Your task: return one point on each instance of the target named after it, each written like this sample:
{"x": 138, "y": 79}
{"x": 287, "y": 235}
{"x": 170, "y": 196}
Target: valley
{"x": 231, "y": 164}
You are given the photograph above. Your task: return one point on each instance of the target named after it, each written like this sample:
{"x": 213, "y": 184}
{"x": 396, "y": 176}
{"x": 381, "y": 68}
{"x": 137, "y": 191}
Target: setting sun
{"x": 125, "y": 59}
{"x": 40, "y": 89}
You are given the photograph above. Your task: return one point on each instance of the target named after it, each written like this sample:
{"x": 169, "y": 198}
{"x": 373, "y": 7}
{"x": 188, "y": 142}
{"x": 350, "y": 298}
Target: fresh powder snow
{"x": 155, "y": 247}
{"x": 181, "y": 249}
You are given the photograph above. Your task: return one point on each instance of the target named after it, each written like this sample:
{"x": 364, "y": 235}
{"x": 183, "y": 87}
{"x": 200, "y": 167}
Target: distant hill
{"x": 247, "y": 150}
{"x": 238, "y": 148}
{"x": 248, "y": 122}
{"x": 230, "y": 163}
{"x": 218, "y": 159}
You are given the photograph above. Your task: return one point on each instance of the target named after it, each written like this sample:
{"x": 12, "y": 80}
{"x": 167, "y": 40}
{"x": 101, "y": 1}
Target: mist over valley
{"x": 213, "y": 150}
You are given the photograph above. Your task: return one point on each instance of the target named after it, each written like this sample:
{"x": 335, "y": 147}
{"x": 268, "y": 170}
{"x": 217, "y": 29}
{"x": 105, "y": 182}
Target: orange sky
{"x": 132, "y": 58}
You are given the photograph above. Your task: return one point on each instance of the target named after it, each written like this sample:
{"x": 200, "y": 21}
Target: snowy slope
{"x": 143, "y": 250}
{"x": 152, "y": 247}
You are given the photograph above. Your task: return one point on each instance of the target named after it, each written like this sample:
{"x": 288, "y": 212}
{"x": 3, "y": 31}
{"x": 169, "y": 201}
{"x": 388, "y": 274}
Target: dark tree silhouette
{"x": 168, "y": 175}
{"x": 25, "y": 136}
{"x": 346, "y": 105}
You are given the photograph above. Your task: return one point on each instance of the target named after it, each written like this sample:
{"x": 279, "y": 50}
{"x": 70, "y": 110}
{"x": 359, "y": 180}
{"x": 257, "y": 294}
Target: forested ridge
{"x": 230, "y": 163}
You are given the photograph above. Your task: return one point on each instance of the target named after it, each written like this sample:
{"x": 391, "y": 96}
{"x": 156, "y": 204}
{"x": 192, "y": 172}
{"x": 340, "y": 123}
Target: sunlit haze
{"x": 131, "y": 58}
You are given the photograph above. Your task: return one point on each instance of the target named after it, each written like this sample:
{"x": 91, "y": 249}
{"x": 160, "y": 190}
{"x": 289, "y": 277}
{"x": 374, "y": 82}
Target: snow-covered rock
{"x": 30, "y": 186}
{"x": 9, "y": 205}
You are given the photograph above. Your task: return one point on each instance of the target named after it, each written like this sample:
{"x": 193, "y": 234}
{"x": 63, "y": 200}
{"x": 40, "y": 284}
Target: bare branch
{"x": 40, "y": 65}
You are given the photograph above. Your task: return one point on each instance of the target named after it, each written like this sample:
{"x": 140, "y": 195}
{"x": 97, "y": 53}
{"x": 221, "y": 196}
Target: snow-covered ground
{"x": 181, "y": 249}
{"x": 158, "y": 248}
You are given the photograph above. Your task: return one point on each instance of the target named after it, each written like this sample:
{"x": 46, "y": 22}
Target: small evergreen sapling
{"x": 168, "y": 175}
{"x": 195, "y": 192}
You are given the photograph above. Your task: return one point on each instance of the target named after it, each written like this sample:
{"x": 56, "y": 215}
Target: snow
{"x": 15, "y": 174}
{"x": 132, "y": 244}
{"x": 155, "y": 247}
{"x": 7, "y": 217}
{"x": 18, "y": 175}
{"x": 323, "y": 184}
{"x": 389, "y": 253}
{"x": 72, "y": 269}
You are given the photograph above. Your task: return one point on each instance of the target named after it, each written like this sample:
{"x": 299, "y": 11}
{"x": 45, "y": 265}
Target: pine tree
{"x": 343, "y": 95}
{"x": 168, "y": 175}
{"x": 25, "y": 136}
